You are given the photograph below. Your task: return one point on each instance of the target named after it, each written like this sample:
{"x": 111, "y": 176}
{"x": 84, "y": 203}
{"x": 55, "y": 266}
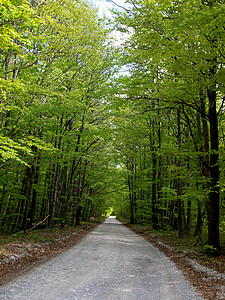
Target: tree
{"x": 55, "y": 122}
{"x": 179, "y": 56}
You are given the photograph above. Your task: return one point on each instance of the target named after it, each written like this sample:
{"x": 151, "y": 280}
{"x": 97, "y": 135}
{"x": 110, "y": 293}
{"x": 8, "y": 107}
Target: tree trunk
{"x": 213, "y": 208}
{"x": 131, "y": 191}
{"x": 80, "y": 194}
{"x": 188, "y": 225}
{"x": 179, "y": 181}
{"x": 155, "y": 222}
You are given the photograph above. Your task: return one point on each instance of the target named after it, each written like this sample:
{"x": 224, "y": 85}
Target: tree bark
{"x": 179, "y": 181}
{"x": 213, "y": 208}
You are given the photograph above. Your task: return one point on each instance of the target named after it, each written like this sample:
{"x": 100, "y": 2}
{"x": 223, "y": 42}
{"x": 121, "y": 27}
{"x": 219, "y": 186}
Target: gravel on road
{"x": 111, "y": 262}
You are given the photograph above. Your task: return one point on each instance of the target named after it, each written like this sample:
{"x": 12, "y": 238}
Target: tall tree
{"x": 175, "y": 49}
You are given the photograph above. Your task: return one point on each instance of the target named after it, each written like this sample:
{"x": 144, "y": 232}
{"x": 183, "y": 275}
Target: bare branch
{"x": 7, "y": 164}
{"x": 37, "y": 224}
{"x": 114, "y": 3}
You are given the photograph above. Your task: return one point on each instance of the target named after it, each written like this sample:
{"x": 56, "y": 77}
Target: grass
{"x": 42, "y": 235}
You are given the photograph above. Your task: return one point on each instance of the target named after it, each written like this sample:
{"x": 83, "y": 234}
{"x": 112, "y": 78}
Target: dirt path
{"x": 111, "y": 262}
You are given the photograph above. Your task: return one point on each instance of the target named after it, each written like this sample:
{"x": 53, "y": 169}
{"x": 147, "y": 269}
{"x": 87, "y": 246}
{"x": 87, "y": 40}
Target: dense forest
{"x": 89, "y": 126}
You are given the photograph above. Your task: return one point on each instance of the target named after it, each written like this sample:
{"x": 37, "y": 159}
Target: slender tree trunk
{"x": 31, "y": 213}
{"x": 213, "y": 208}
{"x": 80, "y": 193}
{"x": 131, "y": 192}
{"x": 188, "y": 225}
{"x": 199, "y": 220}
{"x": 155, "y": 221}
{"x": 179, "y": 181}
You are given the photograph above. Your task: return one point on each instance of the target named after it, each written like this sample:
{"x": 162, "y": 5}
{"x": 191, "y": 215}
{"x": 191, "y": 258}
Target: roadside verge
{"x": 210, "y": 283}
{"x": 20, "y": 254}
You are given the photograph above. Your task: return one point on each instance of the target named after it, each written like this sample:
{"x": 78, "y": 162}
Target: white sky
{"x": 105, "y": 5}
{"x": 119, "y": 37}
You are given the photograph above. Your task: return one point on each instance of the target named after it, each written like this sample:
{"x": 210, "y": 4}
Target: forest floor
{"x": 20, "y": 253}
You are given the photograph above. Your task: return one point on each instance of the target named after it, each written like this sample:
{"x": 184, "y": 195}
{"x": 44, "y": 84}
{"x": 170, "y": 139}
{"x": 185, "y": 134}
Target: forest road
{"x": 111, "y": 262}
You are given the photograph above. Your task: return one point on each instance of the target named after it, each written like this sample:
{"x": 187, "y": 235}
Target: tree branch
{"x": 37, "y": 224}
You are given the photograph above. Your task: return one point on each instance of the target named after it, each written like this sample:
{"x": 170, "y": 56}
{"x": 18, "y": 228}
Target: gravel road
{"x": 111, "y": 262}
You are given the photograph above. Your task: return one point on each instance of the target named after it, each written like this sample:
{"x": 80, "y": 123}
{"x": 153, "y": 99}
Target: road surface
{"x": 111, "y": 262}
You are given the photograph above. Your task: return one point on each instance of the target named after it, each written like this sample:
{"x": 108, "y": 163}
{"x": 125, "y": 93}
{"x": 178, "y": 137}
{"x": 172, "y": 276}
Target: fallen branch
{"x": 37, "y": 224}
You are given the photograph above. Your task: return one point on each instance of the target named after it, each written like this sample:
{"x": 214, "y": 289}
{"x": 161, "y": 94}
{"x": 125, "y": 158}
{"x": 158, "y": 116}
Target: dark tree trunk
{"x": 188, "y": 225}
{"x": 155, "y": 221}
{"x": 31, "y": 213}
{"x": 179, "y": 180}
{"x": 213, "y": 208}
{"x": 131, "y": 191}
{"x": 81, "y": 193}
{"x": 199, "y": 220}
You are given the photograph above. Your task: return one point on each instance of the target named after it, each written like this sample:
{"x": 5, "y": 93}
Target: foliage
{"x": 56, "y": 61}
{"x": 79, "y": 138}
{"x": 170, "y": 102}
